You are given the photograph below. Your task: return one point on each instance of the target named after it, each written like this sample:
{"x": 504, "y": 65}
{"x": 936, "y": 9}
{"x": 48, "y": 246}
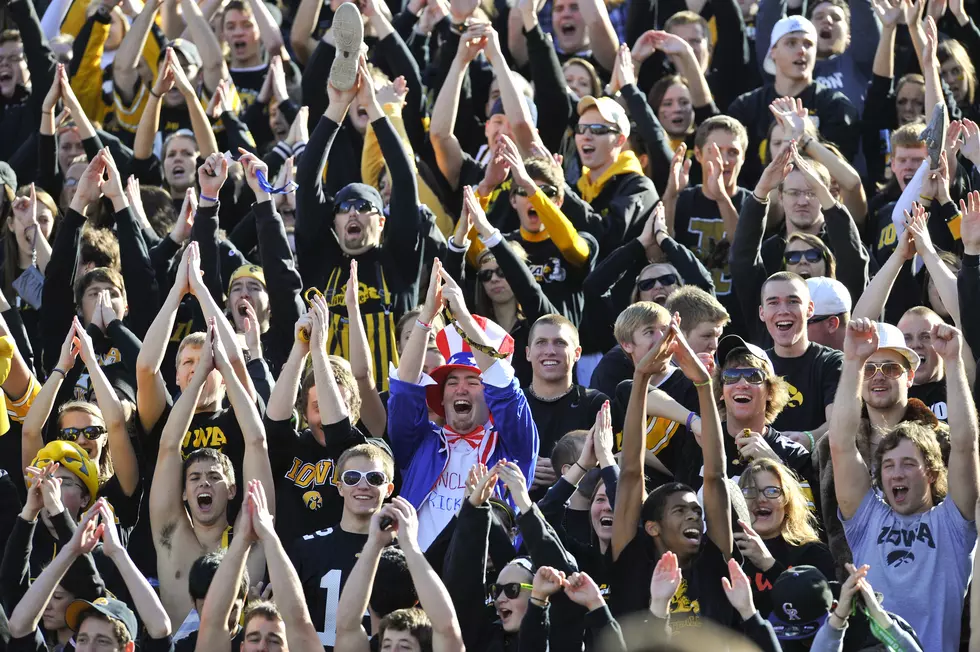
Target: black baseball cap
{"x": 801, "y": 601}
{"x": 108, "y": 607}
{"x": 732, "y": 343}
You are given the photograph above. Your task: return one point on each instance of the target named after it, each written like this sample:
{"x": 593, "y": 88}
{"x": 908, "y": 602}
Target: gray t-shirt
{"x": 935, "y": 547}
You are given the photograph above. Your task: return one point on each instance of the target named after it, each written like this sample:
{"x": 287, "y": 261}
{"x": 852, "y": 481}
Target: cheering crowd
{"x": 553, "y": 325}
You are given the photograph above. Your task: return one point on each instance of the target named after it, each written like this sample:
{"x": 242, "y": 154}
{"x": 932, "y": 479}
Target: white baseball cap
{"x": 829, "y": 296}
{"x": 785, "y": 26}
{"x": 889, "y": 337}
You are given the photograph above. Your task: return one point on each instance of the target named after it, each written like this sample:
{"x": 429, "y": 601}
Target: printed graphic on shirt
{"x": 684, "y": 612}
{"x": 712, "y": 250}
{"x": 310, "y": 476}
{"x": 206, "y": 437}
{"x": 795, "y": 397}
{"x": 548, "y": 272}
{"x": 83, "y": 390}
{"x": 834, "y": 81}
{"x": 905, "y": 541}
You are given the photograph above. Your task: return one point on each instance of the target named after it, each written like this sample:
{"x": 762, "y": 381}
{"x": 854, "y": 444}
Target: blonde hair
{"x": 104, "y": 463}
{"x": 799, "y": 523}
{"x": 637, "y": 315}
{"x": 777, "y": 388}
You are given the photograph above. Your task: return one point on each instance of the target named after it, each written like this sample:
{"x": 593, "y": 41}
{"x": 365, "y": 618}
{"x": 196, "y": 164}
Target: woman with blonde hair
{"x": 783, "y": 531}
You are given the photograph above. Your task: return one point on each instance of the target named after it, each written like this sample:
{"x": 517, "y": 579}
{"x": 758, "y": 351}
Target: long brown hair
{"x": 799, "y": 525}
{"x": 11, "y": 253}
{"x": 483, "y": 304}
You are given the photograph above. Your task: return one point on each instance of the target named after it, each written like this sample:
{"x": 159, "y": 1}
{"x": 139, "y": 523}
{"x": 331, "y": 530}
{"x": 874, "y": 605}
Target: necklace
{"x": 555, "y": 399}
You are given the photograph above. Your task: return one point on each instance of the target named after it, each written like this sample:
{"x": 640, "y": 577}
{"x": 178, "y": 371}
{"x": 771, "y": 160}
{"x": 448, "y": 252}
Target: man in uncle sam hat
{"x": 485, "y": 413}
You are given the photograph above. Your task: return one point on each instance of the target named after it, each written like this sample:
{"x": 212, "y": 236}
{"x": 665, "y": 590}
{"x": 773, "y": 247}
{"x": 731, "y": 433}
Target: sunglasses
{"x": 772, "y": 493}
{"x": 649, "y": 283}
{"x": 511, "y": 590}
{"x": 794, "y": 257}
{"x": 752, "y": 376}
{"x": 596, "y": 129}
{"x": 549, "y": 191}
{"x": 359, "y": 205}
{"x": 817, "y": 320}
{"x": 486, "y": 274}
{"x": 90, "y": 433}
{"x": 888, "y": 369}
{"x": 374, "y": 478}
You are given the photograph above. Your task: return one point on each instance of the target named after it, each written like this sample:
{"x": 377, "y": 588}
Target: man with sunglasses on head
{"x": 324, "y": 560}
{"x": 906, "y": 513}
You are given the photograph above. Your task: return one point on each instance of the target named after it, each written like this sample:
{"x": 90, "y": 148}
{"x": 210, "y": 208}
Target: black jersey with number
{"x": 934, "y": 396}
{"x": 323, "y": 561}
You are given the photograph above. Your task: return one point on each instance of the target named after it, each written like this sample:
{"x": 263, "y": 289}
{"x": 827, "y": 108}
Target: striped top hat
{"x": 459, "y": 357}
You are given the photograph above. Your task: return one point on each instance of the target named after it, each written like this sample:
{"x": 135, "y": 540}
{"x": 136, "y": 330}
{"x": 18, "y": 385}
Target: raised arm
{"x": 453, "y": 295}
{"x": 213, "y": 634}
{"x": 331, "y": 402}
{"x": 943, "y": 278}
{"x": 851, "y": 476}
{"x": 373, "y": 411}
{"x": 521, "y": 124}
{"x": 166, "y": 507}
{"x": 448, "y": 152}
{"x": 630, "y": 490}
{"x": 32, "y": 432}
{"x": 151, "y": 612}
{"x": 124, "y": 463}
{"x": 289, "y": 592}
{"x": 269, "y": 32}
{"x": 200, "y": 123}
{"x": 307, "y": 15}
{"x": 433, "y": 596}
{"x": 356, "y": 596}
{"x": 125, "y": 65}
{"x": 412, "y": 359}
{"x": 875, "y": 296}
{"x": 151, "y": 390}
{"x": 149, "y": 124}
{"x": 964, "y": 485}
{"x": 602, "y": 34}
{"x": 214, "y": 69}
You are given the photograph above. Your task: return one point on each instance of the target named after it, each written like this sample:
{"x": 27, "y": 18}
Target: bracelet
{"x": 155, "y": 95}
{"x": 666, "y": 235}
{"x": 840, "y": 617}
{"x": 810, "y": 436}
{"x": 761, "y": 200}
{"x": 206, "y": 198}
{"x": 581, "y": 467}
{"x": 690, "y": 418}
{"x": 702, "y": 384}
{"x": 59, "y": 371}
{"x": 421, "y": 324}
{"x": 926, "y": 197}
{"x": 539, "y": 602}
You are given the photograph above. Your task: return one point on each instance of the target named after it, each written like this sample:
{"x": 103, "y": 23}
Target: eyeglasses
{"x": 374, "y": 478}
{"x": 752, "y": 375}
{"x": 596, "y": 129}
{"x": 793, "y": 193}
{"x": 772, "y": 493}
{"x": 549, "y": 190}
{"x": 511, "y": 590}
{"x": 90, "y": 433}
{"x": 888, "y": 369}
{"x": 359, "y": 205}
{"x": 486, "y": 274}
{"x": 794, "y": 257}
{"x": 650, "y": 283}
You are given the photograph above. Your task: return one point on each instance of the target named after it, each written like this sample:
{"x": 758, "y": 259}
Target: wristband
{"x": 538, "y": 601}
{"x": 206, "y": 198}
{"x": 840, "y": 617}
{"x": 702, "y": 384}
{"x": 810, "y": 437}
{"x": 581, "y": 467}
{"x": 926, "y": 198}
{"x": 761, "y": 200}
{"x": 690, "y": 418}
{"x": 59, "y": 371}
{"x": 155, "y": 95}
{"x": 421, "y": 324}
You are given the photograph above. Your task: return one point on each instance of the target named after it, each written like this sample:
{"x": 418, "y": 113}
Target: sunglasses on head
{"x": 486, "y": 274}
{"x": 511, "y": 590}
{"x": 752, "y": 375}
{"x": 374, "y": 478}
{"x": 888, "y": 369}
{"x": 771, "y": 493}
{"x": 794, "y": 257}
{"x": 89, "y": 432}
{"x": 549, "y": 190}
{"x": 359, "y": 205}
{"x": 649, "y": 283}
{"x": 596, "y": 129}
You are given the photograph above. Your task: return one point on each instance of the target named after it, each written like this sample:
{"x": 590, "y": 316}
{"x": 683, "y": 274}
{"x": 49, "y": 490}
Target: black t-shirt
{"x": 614, "y": 367}
{"x": 934, "y": 396}
{"x": 573, "y": 411}
{"x": 812, "y": 379}
{"x": 698, "y": 226}
{"x": 305, "y": 472}
{"x": 560, "y": 281}
{"x": 665, "y": 438}
{"x": 699, "y": 595}
{"x": 189, "y": 642}
{"x": 323, "y": 561}
{"x": 809, "y": 554}
{"x": 248, "y": 82}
